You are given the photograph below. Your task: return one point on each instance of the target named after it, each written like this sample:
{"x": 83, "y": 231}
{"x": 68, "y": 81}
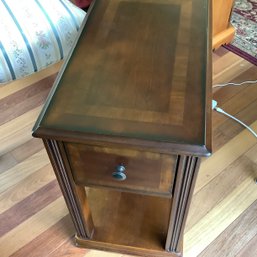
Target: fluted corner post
{"x": 74, "y": 195}
{"x": 187, "y": 169}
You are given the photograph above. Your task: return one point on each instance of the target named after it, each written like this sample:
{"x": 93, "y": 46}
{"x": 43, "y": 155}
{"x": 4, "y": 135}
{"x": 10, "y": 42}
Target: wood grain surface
{"x": 145, "y": 171}
{"x": 135, "y": 75}
{"x": 34, "y": 219}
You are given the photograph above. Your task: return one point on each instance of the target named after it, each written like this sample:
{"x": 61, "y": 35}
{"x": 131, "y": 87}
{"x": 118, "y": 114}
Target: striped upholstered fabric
{"x": 35, "y": 34}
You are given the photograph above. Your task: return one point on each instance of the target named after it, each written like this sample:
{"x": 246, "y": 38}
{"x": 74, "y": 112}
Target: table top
{"x": 140, "y": 73}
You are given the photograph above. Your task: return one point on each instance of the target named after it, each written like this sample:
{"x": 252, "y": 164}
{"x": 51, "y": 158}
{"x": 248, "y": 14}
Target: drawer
{"x": 123, "y": 169}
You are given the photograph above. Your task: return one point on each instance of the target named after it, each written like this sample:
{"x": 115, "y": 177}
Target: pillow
{"x": 82, "y": 3}
{"x": 35, "y": 34}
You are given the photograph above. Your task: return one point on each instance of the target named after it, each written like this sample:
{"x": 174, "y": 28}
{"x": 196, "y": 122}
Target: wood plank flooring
{"x": 222, "y": 221}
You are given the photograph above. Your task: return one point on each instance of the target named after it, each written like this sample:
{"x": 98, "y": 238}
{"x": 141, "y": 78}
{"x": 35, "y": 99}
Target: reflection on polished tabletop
{"x": 139, "y": 70}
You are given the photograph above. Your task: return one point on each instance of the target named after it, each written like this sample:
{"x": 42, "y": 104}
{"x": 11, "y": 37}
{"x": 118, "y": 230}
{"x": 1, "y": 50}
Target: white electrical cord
{"x": 236, "y": 84}
{"x": 218, "y": 109}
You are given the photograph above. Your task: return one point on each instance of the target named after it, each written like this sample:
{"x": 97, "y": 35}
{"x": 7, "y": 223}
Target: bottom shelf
{"x": 92, "y": 244}
{"x": 128, "y": 223}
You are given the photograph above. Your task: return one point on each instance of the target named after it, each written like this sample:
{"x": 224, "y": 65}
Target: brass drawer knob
{"x": 119, "y": 174}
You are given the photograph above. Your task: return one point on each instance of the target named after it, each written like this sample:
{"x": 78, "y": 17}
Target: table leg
{"x": 187, "y": 168}
{"x": 74, "y": 195}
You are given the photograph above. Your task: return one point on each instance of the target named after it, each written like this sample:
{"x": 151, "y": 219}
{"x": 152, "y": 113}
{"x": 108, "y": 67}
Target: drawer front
{"x": 124, "y": 169}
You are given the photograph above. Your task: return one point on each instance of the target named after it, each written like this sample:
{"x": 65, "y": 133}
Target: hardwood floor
{"x": 222, "y": 221}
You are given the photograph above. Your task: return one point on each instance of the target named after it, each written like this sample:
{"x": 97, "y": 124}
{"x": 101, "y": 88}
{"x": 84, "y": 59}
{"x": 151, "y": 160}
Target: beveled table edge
{"x": 115, "y": 141}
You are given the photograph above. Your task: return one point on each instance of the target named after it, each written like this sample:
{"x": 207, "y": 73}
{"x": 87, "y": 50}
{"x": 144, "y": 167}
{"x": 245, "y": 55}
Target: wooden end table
{"x": 127, "y": 121}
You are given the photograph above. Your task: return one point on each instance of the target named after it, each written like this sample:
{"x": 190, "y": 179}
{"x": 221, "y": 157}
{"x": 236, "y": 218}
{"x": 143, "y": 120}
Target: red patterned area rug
{"x": 244, "y": 19}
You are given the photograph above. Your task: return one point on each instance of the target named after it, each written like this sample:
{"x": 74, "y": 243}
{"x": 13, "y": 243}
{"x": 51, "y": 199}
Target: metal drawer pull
{"x": 119, "y": 174}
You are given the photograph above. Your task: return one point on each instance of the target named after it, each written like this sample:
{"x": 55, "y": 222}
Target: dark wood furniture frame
{"x": 134, "y": 94}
